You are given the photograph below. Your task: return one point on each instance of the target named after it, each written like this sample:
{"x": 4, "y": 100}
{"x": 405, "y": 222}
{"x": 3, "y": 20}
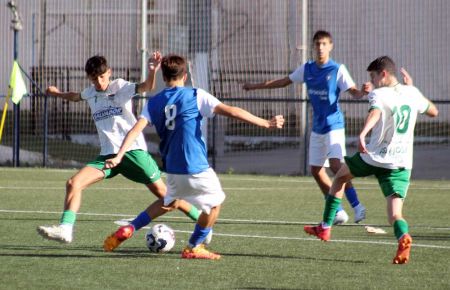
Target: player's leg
{"x": 319, "y": 150}
{"x": 333, "y": 202}
{"x": 159, "y": 189}
{"x": 202, "y": 190}
{"x": 397, "y": 181}
{"x": 196, "y": 247}
{"x": 401, "y": 229}
{"x": 337, "y": 151}
{"x": 139, "y": 166}
{"x": 74, "y": 188}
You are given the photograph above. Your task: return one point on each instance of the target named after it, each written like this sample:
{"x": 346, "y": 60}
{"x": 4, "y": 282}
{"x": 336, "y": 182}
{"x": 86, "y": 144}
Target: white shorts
{"x": 325, "y": 146}
{"x": 203, "y": 190}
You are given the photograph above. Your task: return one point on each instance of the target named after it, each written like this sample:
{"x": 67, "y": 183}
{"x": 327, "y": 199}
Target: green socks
{"x": 331, "y": 205}
{"x": 193, "y": 213}
{"x": 400, "y": 228}
{"x": 68, "y": 217}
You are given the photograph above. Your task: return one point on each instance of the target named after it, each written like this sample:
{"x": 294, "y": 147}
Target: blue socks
{"x": 198, "y": 236}
{"x": 141, "y": 220}
{"x": 352, "y": 197}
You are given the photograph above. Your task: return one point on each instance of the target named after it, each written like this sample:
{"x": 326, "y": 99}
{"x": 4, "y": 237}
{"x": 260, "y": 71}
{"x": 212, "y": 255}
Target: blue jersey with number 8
{"x": 177, "y": 114}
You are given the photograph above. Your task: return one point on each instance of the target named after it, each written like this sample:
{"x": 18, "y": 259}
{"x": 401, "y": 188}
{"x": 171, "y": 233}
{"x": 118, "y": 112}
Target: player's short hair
{"x": 173, "y": 67}
{"x": 322, "y": 34}
{"x": 383, "y": 63}
{"x": 96, "y": 65}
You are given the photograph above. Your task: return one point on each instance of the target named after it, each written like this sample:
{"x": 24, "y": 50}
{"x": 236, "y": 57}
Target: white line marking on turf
{"x": 252, "y": 221}
{"x": 314, "y": 239}
{"x": 124, "y": 221}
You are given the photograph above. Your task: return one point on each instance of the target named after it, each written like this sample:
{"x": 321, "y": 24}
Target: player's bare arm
{"x": 366, "y": 88}
{"x": 272, "y": 84}
{"x": 127, "y": 142}
{"x": 154, "y": 62}
{"x": 245, "y": 116}
{"x": 371, "y": 120}
{"x": 70, "y": 96}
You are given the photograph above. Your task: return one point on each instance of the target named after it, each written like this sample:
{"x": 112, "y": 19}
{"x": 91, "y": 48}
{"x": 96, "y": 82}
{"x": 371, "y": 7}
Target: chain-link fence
{"x": 228, "y": 42}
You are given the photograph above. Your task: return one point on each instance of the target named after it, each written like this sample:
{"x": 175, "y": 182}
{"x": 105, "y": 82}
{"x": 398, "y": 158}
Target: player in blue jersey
{"x": 325, "y": 79}
{"x": 177, "y": 113}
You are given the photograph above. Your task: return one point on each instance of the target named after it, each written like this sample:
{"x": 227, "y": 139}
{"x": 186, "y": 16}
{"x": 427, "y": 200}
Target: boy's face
{"x": 323, "y": 47}
{"x": 101, "y": 82}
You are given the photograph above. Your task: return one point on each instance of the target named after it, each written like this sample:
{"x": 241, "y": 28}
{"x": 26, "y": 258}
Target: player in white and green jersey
{"x": 388, "y": 156}
{"x": 111, "y": 107}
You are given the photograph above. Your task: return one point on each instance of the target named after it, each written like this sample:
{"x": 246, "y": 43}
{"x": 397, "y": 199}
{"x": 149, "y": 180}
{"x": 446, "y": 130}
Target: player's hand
{"x": 154, "y": 62}
{"x": 407, "y": 79}
{"x": 362, "y": 144}
{"x": 276, "y": 122}
{"x": 112, "y": 162}
{"x": 367, "y": 88}
{"x": 51, "y": 90}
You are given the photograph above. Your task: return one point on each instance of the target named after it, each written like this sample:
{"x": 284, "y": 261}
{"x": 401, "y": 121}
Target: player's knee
{"x": 335, "y": 166}
{"x": 71, "y": 184}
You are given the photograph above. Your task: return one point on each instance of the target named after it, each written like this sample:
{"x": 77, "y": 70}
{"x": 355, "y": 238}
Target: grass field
{"x": 259, "y": 233}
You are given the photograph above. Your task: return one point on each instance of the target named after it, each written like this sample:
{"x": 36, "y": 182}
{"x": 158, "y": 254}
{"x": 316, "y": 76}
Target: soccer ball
{"x": 160, "y": 238}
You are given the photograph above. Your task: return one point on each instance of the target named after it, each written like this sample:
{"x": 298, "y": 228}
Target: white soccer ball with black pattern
{"x": 160, "y": 238}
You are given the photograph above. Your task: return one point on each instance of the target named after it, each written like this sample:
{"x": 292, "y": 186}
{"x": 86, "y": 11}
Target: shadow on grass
{"x": 97, "y": 252}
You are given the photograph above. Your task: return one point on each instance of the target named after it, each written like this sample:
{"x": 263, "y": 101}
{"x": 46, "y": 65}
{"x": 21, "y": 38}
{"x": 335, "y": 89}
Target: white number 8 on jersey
{"x": 170, "y": 112}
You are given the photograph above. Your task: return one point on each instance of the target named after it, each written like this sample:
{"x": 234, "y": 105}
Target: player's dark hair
{"x": 382, "y": 63}
{"x": 96, "y": 65}
{"x": 322, "y": 34}
{"x": 173, "y": 67}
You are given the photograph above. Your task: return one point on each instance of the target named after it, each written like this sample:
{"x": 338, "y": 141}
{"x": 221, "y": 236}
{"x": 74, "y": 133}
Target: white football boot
{"x": 59, "y": 233}
{"x": 360, "y": 213}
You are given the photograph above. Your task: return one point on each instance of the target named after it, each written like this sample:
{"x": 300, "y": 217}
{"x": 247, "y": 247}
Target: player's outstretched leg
{"x": 403, "y": 250}
{"x": 118, "y": 237}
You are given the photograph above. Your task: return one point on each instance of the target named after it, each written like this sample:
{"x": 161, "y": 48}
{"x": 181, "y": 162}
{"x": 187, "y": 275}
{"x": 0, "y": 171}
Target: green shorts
{"x": 136, "y": 165}
{"x": 392, "y": 181}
